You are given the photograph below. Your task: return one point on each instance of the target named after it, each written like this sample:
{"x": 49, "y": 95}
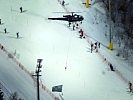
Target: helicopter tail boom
{"x": 63, "y": 19}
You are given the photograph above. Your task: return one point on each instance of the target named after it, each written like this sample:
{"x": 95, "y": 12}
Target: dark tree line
{"x": 122, "y": 27}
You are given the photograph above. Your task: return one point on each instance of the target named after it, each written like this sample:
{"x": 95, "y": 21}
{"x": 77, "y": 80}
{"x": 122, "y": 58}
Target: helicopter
{"x": 70, "y": 18}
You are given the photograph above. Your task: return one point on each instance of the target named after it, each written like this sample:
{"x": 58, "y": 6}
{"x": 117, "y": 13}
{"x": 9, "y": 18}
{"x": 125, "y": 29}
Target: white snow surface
{"x": 87, "y": 77}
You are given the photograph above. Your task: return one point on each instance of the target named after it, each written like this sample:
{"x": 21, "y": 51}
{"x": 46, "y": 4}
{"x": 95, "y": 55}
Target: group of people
{"x": 5, "y": 29}
{"x": 95, "y": 46}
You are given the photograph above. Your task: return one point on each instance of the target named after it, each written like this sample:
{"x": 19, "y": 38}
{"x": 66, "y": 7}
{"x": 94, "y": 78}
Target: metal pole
{"x": 109, "y": 22}
{"x": 110, "y": 35}
{"x": 37, "y": 75}
{"x": 87, "y": 3}
{"x": 38, "y": 96}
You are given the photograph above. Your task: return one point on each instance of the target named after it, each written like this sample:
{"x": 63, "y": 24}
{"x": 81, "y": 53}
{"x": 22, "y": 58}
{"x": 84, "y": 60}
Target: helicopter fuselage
{"x": 69, "y": 18}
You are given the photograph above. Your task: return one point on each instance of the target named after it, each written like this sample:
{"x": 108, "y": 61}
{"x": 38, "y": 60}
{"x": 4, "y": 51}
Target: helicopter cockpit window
{"x": 76, "y": 16}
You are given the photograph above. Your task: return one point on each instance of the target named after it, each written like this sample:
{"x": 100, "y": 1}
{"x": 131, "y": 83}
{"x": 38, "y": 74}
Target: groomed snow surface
{"x": 86, "y": 77}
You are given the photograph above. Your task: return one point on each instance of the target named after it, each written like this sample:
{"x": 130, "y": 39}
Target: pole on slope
{"x": 87, "y": 4}
{"x": 110, "y": 35}
{"x": 38, "y": 75}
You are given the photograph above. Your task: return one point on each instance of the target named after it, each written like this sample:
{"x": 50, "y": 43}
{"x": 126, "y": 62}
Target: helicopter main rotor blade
{"x": 68, "y": 12}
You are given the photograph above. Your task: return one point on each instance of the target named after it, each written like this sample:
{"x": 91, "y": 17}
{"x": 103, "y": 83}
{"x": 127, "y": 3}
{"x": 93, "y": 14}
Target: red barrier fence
{"x": 41, "y": 84}
{"x": 123, "y": 78}
{"x": 27, "y": 72}
{"x": 101, "y": 55}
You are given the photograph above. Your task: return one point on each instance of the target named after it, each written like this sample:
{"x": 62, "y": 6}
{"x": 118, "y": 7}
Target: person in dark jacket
{"x": 0, "y": 21}
{"x": 73, "y": 26}
{"x": 63, "y": 3}
{"x": 21, "y": 10}
{"x": 130, "y": 86}
{"x": 1, "y": 95}
{"x": 111, "y": 67}
{"x": 5, "y": 30}
{"x": 91, "y": 47}
{"x": 99, "y": 44}
{"x": 17, "y": 34}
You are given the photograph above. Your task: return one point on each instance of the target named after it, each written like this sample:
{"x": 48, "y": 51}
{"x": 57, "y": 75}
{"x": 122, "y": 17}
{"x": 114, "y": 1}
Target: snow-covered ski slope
{"x": 87, "y": 76}
{"x": 15, "y": 80}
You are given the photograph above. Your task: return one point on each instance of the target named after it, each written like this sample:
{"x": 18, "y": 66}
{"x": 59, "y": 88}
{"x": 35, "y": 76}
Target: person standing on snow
{"x": 1, "y": 95}
{"x": 96, "y": 44}
{"x": 111, "y": 67}
{"x": 21, "y": 10}
{"x": 5, "y": 30}
{"x": 99, "y": 44}
{"x": 0, "y": 22}
{"x": 81, "y": 33}
{"x": 17, "y": 34}
{"x": 91, "y": 47}
{"x": 63, "y": 3}
{"x": 77, "y": 25}
{"x": 73, "y": 26}
{"x": 69, "y": 24}
{"x": 130, "y": 86}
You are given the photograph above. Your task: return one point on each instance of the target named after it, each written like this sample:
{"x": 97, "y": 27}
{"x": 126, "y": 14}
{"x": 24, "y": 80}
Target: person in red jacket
{"x": 81, "y": 33}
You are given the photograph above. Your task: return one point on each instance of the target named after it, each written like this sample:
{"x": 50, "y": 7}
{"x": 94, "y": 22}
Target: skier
{"x": 99, "y": 44}
{"x": 65, "y": 68}
{"x": 5, "y": 30}
{"x": 69, "y": 24}
{"x": 21, "y": 9}
{"x": 130, "y": 86}
{"x": 1, "y": 95}
{"x": 96, "y": 44}
{"x": 91, "y": 47}
{"x": 81, "y": 33}
{"x": 77, "y": 25}
{"x": 63, "y": 3}
{"x": 17, "y": 34}
{"x": 2, "y": 47}
{"x": 0, "y": 21}
{"x": 111, "y": 67}
{"x": 73, "y": 26}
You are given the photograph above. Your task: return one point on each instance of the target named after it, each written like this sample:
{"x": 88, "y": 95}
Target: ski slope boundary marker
{"x": 27, "y": 72}
{"x": 123, "y": 78}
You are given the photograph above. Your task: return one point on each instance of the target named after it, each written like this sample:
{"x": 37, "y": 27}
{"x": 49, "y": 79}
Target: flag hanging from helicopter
{"x": 57, "y": 88}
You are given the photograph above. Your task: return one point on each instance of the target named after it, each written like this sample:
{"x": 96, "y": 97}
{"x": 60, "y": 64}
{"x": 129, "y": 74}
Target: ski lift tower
{"x": 110, "y": 31}
{"x": 38, "y": 75}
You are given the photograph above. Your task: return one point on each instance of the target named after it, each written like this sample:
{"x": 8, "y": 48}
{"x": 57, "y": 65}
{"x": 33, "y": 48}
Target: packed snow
{"x": 67, "y": 59}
